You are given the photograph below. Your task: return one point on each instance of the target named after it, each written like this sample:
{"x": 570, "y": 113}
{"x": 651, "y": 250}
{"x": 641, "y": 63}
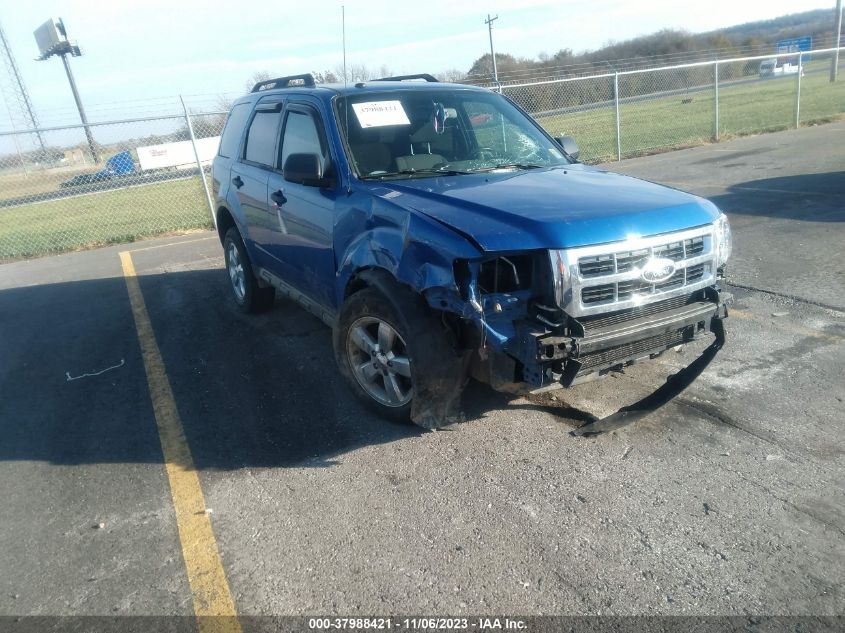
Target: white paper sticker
{"x": 380, "y": 113}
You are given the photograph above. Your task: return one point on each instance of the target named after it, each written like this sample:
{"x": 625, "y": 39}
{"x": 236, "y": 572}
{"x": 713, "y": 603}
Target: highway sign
{"x": 795, "y": 44}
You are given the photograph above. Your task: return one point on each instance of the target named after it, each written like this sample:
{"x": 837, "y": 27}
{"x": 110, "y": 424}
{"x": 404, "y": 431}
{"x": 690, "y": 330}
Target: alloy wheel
{"x": 236, "y": 271}
{"x": 379, "y": 360}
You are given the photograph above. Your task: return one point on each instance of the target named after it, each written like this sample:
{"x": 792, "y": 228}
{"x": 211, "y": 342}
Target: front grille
{"x": 610, "y": 263}
{"x": 626, "y": 290}
{"x": 595, "y": 266}
{"x": 631, "y": 350}
{"x": 600, "y": 321}
{"x": 598, "y": 279}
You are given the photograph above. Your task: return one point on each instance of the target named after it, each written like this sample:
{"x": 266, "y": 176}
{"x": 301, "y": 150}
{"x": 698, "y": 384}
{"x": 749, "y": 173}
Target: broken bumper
{"x": 538, "y": 359}
{"x": 673, "y": 386}
{"x": 607, "y": 343}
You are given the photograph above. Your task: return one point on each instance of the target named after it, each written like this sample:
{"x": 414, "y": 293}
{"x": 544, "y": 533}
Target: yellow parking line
{"x": 149, "y": 248}
{"x": 213, "y": 604}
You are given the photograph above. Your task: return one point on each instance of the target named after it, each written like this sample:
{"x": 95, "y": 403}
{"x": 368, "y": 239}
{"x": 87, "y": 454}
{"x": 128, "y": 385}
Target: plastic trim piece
{"x": 426, "y": 76}
{"x": 673, "y": 386}
{"x": 284, "y": 82}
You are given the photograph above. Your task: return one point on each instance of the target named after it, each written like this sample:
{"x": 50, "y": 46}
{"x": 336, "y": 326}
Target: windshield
{"x": 411, "y": 133}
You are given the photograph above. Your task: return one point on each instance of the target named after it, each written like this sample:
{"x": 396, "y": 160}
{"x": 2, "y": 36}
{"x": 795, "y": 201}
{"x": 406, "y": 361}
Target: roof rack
{"x": 425, "y": 76}
{"x": 284, "y": 82}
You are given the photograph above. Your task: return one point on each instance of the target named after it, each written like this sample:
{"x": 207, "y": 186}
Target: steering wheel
{"x": 487, "y": 153}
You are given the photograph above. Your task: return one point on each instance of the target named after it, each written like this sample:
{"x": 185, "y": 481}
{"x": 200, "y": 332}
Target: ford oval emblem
{"x": 657, "y": 269}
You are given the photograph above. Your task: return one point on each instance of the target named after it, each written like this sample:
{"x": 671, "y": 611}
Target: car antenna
{"x": 346, "y": 98}
{"x": 343, "y": 39}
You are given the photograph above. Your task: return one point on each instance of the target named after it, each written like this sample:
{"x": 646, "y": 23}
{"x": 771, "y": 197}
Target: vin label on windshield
{"x": 380, "y": 113}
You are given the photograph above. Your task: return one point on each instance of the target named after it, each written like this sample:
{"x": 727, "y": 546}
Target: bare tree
{"x": 325, "y": 77}
{"x": 452, "y": 76}
{"x": 361, "y": 72}
{"x": 223, "y": 103}
{"x": 258, "y": 75}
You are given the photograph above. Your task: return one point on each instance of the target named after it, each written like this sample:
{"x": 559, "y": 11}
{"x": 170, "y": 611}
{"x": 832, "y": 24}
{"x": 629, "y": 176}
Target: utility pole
{"x": 489, "y": 22}
{"x": 834, "y": 64}
{"x": 51, "y": 38}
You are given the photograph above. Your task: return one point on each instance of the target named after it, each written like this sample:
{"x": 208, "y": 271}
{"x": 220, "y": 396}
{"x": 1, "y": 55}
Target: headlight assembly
{"x": 724, "y": 241}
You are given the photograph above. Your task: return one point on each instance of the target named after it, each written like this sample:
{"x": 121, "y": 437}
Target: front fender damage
{"x": 429, "y": 273}
{"x": 440, "y": 367}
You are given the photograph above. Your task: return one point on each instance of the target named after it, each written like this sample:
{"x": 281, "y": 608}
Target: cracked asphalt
{"x": 729, "y": 500}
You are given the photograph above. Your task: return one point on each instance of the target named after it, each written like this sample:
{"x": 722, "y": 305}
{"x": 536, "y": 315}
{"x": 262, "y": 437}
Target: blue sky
{"x": 139, "y": 56}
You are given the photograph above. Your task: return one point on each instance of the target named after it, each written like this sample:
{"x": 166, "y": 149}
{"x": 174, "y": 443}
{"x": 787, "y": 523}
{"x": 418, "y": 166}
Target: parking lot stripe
{"x": 213, "y": 604}
{"x": 149, "y": 248}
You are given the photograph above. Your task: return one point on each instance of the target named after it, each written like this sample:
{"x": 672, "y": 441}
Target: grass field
{"x": 668, "y": 122}
{"x": 115, "y": 216}
{"x": 124, "y": 215}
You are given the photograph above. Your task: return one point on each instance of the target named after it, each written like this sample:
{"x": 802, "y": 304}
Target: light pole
{"x": 51, "y": 38}
{"x": 834, "y": 64}
{"x": 489, "y": 22}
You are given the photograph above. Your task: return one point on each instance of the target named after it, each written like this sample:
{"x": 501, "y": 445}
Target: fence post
{"x": 618, "y": 127}
{"x": 199, "y": 162}
{"x": 715, "y": 102}
{"x": 798, "y": 93}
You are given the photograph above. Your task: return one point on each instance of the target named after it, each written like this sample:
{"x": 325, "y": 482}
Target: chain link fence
{"x": 139, "y": 178}
{"x": 150, "y": 176}
{"x": 629, "y": 113}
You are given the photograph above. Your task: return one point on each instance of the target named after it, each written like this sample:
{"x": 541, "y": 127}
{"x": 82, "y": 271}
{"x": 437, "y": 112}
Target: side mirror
{"x": 305, "y": 169}
{"x": 569, "y": 146}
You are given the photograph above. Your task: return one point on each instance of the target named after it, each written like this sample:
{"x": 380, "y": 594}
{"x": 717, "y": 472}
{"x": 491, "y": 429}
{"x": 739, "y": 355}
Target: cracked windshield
{"x": 402, "y": 134}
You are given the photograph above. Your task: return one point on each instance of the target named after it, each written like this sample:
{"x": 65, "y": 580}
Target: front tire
{"x": 423, "y": 351}
{"x": 372, "y": 352}
{"x": 248, "y": 294}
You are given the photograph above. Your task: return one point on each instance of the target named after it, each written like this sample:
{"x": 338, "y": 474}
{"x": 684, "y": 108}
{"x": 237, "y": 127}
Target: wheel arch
{"x": 373, "y": 277}
{"x": 440, "y": 369}
{"x": 225, "y": 221}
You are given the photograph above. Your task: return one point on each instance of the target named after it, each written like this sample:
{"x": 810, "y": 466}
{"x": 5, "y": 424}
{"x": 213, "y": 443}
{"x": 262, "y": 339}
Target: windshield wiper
{"x": 511, "y": 166}
{"x": 418, "y": 172}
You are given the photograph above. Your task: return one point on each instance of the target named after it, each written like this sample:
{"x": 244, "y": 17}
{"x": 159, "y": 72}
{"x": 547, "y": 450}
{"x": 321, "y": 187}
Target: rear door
{"x": 228, "y": 151}
{"x": 250, "y": 174}
{"x": 305, "y": 213}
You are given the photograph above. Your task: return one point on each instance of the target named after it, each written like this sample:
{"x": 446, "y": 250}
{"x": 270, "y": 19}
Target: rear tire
{"x": 249, "y": 296}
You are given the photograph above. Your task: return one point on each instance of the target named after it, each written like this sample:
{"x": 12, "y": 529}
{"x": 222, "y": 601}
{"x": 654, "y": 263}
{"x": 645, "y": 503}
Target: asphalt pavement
{"x": 728, "y": 501}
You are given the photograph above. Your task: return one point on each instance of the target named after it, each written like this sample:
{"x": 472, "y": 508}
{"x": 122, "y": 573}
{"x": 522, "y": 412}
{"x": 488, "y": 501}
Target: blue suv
{"x": 443, "y": 234}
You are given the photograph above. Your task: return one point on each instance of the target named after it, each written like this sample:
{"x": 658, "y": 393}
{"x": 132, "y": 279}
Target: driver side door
{"x": 305, "y": 212}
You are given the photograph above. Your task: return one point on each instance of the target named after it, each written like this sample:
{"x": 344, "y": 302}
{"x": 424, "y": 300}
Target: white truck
{"x": 778, "y": 66}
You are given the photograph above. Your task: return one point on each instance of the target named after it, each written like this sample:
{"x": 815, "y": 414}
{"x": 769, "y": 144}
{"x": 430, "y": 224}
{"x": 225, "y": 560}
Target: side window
{"x": 301, "y": 136}
{"x": 232, "y": 132}
{"x": 261, "y": 138}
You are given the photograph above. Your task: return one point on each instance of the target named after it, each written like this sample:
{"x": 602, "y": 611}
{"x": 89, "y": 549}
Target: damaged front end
{"x": 551, "y": 319}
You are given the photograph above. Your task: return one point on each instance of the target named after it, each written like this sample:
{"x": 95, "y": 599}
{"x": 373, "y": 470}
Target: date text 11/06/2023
{"x": 424, "y": 624}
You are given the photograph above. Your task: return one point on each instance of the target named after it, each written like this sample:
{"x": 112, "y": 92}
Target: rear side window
{"x": 261, "y": 138}
{"x": 232, "y": 133}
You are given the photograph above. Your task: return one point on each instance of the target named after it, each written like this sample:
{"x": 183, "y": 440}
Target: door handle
{"x": 237, "y": 182}
{"x": 278, "y": 197}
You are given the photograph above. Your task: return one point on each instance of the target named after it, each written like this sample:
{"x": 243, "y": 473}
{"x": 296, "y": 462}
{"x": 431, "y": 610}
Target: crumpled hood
{"x": 561, "y": 207}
